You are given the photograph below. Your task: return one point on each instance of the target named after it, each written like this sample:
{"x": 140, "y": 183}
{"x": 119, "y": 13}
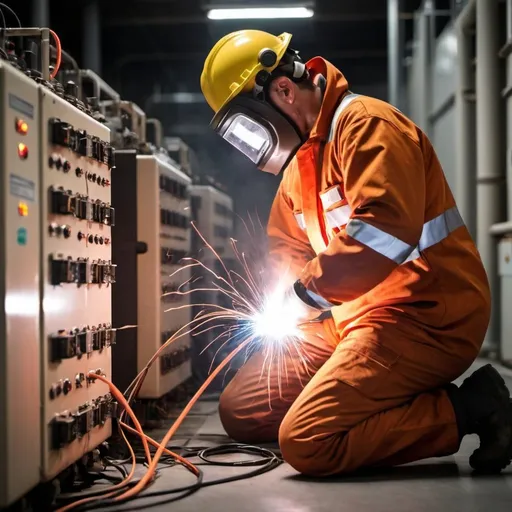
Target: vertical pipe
{"x": 393, "y": 52}
{"x": 425, "y": 83}
{"x": 489, "y": 150}
{"x": 45, "y": 53}
{"x": 40, "y": 13}
{"x": 508, "y": 100}
{"x": 509, "y": 20}
{"x": 465, "y": 143}
{"x": 91, "y": 41}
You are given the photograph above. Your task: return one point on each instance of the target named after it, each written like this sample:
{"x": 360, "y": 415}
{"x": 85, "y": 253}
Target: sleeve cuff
{"x": 312, "y": 299}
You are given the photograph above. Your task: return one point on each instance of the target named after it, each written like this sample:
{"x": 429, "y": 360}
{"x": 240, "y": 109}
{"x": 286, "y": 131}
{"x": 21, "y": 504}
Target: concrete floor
{"x": 444, "y": 484}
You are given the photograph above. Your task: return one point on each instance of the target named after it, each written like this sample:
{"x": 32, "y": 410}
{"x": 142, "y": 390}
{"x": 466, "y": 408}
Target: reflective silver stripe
{"x": 439, "y": 228}
{"x": 434, "y": 231}
{"x": 338, "y": 217}
{"x": 380, "y": 241}
{"x": 345, "y": 102}
{"x": 332, "y": 196}
{"x": 299, "y": 217}
{"x": 322, "y": 303}
{"x": 413, "y": 256}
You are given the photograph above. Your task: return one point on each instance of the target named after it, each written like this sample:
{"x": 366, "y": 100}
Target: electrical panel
{"x": 152, "y": 241}
{"x": 212, "y": 210}
{"x": 20, "y": 422}
{"x": 77, "y": 276}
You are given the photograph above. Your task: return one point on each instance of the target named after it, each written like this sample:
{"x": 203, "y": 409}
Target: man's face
{"x": 290, "y": 100}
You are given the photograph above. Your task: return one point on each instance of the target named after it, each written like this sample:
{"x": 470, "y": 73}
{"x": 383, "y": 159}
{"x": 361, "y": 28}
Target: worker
{"x": 365, "y": 219}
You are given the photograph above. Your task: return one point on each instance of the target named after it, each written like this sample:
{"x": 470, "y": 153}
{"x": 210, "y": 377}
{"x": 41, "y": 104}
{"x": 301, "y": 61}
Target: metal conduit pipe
{"x": 91, "y": 35}
{"x": 506, "y": 52}
{"x": 40, "y": 13}
{"x": 394, "y": 56}
{"x": 157, "y": 131}
{"x": 465, "y": 143}
{"x": 490, "y": 174}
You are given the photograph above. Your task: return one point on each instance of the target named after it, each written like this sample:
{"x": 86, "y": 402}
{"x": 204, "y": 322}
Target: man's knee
{"x": 308, "y": 452}
{"x": 244, "y": 423}
{"x": 229, "y": 418}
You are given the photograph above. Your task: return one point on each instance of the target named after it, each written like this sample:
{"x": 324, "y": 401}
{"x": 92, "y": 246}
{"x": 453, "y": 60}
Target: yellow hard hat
{"x": 233, "y": 63}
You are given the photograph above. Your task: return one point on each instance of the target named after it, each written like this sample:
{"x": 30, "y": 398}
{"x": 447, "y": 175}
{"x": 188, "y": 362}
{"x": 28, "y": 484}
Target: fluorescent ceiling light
{"x": 248, "y": 13}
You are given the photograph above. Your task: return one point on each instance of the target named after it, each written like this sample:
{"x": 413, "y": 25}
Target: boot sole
{"x": 498, "y": 464}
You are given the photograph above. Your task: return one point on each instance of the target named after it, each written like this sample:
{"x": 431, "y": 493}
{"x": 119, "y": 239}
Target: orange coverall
{"x": 365, "y": 217}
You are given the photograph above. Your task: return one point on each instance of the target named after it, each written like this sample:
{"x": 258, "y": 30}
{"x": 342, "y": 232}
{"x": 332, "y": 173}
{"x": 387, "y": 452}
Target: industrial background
{"x": 152, "y": 51}
{"x": 444, "y": 63}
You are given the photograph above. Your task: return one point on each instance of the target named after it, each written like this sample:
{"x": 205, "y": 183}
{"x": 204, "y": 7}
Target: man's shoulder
{"x": 363, "y": 108}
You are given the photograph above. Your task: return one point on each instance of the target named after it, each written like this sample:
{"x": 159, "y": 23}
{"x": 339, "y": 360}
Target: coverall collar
{"x": 335, "y": 89}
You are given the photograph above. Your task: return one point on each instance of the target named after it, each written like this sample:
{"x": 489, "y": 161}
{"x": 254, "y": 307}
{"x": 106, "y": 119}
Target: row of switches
{"x": 80, "y": 142}
{"x": 69, "y": 344}
{"x": 169, "y": 362}
{"x": 64, "y": 202}
{"x": 66, "y": 428}
{"x": 81, "y": 271}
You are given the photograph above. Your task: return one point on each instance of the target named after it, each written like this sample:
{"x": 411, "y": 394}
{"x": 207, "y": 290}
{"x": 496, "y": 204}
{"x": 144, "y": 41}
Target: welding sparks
{"x": 257, "y": 315}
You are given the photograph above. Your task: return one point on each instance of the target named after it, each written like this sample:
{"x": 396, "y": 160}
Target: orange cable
{"x": 156, "y": 444}
{"x": 59, "y": 54}
{"x": 122, "y": 401}
{"x": 126, "y": 406}
{"x": 152, "y": 467}
{"x": 112, "y": 490}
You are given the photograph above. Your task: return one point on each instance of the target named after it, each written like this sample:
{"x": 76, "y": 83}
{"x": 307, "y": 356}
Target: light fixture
{"x": 253, "y": 13}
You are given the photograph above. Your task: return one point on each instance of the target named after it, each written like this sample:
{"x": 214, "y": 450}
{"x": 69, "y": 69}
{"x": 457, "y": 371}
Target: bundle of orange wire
{"x": 244, "y": 313}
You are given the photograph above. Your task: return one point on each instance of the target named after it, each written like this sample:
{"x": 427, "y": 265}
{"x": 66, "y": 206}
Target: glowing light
{"x": 248, "y": 13}
{"x": 22, "y": 209}
{"x": 278, "y": 319}
{"x": 21, "y": 127}
{"x": 22, "y": 151}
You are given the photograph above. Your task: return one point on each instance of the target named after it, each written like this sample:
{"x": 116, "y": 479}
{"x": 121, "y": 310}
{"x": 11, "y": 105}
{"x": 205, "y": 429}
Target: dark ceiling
{"x": 160, "y": 39}
{"x": 160, "y": 45}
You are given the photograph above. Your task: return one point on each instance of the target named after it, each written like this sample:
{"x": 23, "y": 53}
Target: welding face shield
{"x": 258, "y": 130}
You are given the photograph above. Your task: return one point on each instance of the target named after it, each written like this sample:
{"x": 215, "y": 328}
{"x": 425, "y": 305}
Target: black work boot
{"x": 483, "y": 406}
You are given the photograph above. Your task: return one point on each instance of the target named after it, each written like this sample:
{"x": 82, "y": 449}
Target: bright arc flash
{"x": 278, "y": 319}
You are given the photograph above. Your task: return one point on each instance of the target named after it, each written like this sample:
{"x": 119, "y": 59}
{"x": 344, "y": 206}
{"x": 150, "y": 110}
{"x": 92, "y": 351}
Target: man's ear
{"x": 284, "y": 90}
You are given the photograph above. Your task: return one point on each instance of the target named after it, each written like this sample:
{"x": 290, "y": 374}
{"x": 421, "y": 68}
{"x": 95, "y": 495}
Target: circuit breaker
{"x": 152, "y": 241}
{"x": 77, "y": 278}
{"x": 212, "y": 210}
{"x": 20, "y": 445}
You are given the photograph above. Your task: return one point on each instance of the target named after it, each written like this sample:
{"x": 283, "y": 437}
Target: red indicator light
{"x": 22, "y": 209}
{"x": 22, "y": 151}
{"x": 21, "y": 127}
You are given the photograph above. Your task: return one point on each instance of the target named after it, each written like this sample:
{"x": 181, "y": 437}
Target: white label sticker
{"x": 21, "y": 187}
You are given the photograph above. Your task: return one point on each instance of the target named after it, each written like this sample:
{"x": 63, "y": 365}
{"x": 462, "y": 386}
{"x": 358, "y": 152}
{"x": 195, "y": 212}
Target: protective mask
{"x": 259, "y": 131}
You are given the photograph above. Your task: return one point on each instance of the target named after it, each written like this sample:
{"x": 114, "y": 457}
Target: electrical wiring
{"x": 122, "y": 401}
{"x": 114, "y": 496}
{"x": 2, "y": 17}
{"x": 59, "y": 54}
{"x": 152, "y": 466}
{"x": 268, "y": 461}
{"x": 4, "y": 6}
{"x": 112, "y": 491}
{"x": 243, "y": 312}
{"x": 122, "y": 485}
{"x": 174, "y": 455}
